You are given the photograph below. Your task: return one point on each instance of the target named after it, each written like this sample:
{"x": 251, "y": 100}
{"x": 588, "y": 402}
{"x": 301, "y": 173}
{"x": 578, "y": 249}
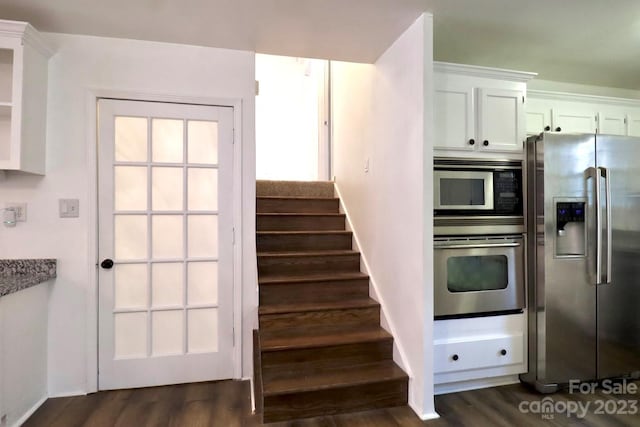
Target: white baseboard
{"x": 30, "y": 412}
{"x": 69, "y": 394}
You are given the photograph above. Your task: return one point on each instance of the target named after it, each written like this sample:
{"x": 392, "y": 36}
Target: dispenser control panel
{"x": 570, "y": 228}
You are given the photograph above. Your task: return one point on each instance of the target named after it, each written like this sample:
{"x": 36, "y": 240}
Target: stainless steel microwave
{"x": 477, "y": 187}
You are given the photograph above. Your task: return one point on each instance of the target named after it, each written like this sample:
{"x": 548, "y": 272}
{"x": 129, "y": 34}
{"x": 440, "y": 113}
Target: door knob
{"x": 503, "y": 352}
{"x": 485, "y": 143}
{"x": 455, "y": 357}
{"x": 547, "y": 128}
{"x": 106, "y": 263}
{"x": 472, "y": 141}
{"x": 558, "y": 129}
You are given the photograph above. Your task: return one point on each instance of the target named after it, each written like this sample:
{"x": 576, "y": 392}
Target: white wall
{"x": 82, "y": 64}
{"x": 287, "y": 117}
{"x": 382, "y": 112}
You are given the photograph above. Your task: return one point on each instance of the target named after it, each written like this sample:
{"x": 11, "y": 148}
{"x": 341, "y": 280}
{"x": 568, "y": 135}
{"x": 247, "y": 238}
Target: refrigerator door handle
{"x": 606, "y": 174}
{"x": 595, "y": 175}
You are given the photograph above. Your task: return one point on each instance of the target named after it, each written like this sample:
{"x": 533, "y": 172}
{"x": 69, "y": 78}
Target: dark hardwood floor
{"x": 227, "y": 404}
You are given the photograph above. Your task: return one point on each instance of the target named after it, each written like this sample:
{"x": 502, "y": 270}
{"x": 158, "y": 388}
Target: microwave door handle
{"x": 606, "y": 174}
{"x": 479, "y": 245}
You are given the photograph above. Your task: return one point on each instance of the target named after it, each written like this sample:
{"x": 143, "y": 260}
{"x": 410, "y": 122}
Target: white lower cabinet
{"x": 479, "y": 352}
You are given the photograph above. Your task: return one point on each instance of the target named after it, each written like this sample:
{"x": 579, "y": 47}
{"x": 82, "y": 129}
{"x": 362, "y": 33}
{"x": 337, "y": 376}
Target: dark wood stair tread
{"x": 317, "y": 306}
{"x": 289, "y": 379}
{"x": 328, "y": 252}
{"x": 312, "y": 214}
{"x": 305, "y": 337}
{"x": 301, "y": 232}
{"x": 315, "y": 277}
{"x": 295, "y": 198}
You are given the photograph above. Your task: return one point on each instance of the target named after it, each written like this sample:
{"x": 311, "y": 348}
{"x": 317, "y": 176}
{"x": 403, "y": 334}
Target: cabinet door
{"x": 454, "y": 120}
{"x": 501, "y": 120}
{"x": 574, "y": 119}
{"x": 633, "y": 124}
{"x": 612, "y": 123}
{"x": 537, "y": 116}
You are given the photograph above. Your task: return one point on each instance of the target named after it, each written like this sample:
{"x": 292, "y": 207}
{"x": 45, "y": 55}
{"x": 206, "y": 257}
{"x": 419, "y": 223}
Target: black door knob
{"x": 472, "y": 141}
{"x": 558, "y": 129}
{"x": 503, "y": 352}
{"x": 485, "y": 143}
{"x": 455, "y": 357}
{"x": 107, "y": 263}
{"x": 547, "y": 128}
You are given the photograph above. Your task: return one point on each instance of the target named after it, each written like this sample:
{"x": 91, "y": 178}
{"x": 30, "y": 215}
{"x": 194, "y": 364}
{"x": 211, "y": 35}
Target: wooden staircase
{"x": 319, "y": 349}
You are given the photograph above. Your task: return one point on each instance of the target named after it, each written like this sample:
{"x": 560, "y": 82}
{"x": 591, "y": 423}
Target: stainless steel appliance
{"x": 583, "y": 228}
{"x": 478, "y": 275}
{"x": 477, "y": 196}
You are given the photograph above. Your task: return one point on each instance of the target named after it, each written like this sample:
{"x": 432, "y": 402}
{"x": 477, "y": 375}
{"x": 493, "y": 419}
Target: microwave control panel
{"x": 507, "y": 188}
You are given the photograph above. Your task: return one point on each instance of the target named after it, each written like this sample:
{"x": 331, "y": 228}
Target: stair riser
{"x": 308, "y": 265}
{"x": 296, "y": 206}
{"x": 294, "y": 189}
{"x": 299, "y": 223}
{"x": 364, "y": 397}
{"x": 302, "y": 242}
{"x": 366, "y": 352}
{"x": 302, "y": 292}
{"x": 346, "y": 317}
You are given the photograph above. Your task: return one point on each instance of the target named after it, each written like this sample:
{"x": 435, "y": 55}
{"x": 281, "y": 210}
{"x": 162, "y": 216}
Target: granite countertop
{"x": 18, "y": 274}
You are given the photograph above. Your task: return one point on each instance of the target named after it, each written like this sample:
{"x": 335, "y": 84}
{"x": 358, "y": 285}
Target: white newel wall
{"x": 382, "y": 116}
{"x": 82, "y": 64}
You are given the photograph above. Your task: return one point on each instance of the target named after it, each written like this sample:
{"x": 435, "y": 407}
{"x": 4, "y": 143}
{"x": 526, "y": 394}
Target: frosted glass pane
{"x": 166, "y": 189}
{"x": 130, "y": 335}
{"x": 131, "y": 139}
{"x": 130, "y": 191}
{"x": 203, "y": 235}
{"x": 203, "y": 330}
{"x": 167, "y": 332}
{"x": 130, "y": 286}
{"x": 203, "y": 189}
{"x": 167, "y": 140}
{"x": 167, "y": 236}
{"x": 203, "y": 142}
{"x": 130, "y": 240}
{"x": 202, "y": 283}
{"x": 167, "y": 279}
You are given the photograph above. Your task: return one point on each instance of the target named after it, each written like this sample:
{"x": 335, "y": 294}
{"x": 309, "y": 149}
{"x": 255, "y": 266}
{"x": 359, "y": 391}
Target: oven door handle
{"x": 479, "y": 245}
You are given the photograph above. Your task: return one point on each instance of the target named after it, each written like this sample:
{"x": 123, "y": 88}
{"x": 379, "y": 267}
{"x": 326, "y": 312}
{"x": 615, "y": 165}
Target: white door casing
{"x": 165, "y": 218}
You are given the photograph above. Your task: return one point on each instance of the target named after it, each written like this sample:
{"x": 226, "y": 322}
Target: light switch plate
{"x": 69, "y": 208}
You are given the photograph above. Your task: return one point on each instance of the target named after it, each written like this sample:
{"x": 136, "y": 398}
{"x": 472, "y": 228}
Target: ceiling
{"x": 580, "y": 41}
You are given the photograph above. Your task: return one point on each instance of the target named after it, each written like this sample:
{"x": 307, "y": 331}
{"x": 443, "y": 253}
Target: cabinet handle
{"x": 558, "y": 129}
{"x": 106, "y": 264}
{"x": 455, "y": 357}
{"x": 472, "y": 141}
{"x": 485, "y": 143}
{"x": 547, "y": 128}
{"x": 503, "y": 352}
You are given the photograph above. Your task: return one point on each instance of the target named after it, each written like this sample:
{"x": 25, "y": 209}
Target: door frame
{"x": 92, "y": 97}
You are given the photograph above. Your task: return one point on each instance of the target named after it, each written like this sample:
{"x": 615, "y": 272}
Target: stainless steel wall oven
{"x": 478, "y": 245}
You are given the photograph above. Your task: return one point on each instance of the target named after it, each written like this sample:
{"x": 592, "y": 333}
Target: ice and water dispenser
{"x": 570, "y": 228}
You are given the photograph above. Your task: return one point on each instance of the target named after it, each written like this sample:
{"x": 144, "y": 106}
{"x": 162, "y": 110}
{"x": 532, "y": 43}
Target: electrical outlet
{"x": 19, "y": 208}
{"x": 69, "y": 208}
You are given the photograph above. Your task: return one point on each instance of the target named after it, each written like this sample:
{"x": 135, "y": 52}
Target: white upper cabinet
{"x": 575, "y": 118}
{"x": 478, "y": 110}
{"x": 501, "y": 119}
{"x": 23, "y": 97}
{"x": 633, "y": 124}
{"x": 574, "y": 113}
{"x": 454, "y": 118}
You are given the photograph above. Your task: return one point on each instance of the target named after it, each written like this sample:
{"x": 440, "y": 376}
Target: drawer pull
{"x": 503, "y": 352}
{"x": 455, "y": 357}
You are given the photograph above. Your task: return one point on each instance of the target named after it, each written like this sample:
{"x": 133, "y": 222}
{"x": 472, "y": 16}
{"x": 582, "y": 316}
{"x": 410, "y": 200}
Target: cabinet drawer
{"x": 485, "y": 353}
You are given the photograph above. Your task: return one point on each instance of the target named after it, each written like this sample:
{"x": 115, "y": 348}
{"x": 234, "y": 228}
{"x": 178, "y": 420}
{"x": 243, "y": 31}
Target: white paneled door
{"x": 165, "y": 243}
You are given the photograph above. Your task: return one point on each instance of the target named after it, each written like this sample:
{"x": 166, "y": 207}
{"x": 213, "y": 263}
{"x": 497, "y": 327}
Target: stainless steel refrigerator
{"x": 583, "y": 258}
